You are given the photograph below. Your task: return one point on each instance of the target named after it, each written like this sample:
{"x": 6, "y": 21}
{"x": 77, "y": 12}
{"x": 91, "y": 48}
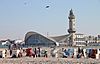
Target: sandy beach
{"x": 42, "y": 60}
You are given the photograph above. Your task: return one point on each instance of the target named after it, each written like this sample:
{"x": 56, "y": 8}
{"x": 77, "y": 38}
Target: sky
{"x": 17, "y": 17}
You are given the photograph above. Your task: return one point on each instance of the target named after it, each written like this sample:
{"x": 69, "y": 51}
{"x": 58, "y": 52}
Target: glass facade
{"x": 37, "y": 39}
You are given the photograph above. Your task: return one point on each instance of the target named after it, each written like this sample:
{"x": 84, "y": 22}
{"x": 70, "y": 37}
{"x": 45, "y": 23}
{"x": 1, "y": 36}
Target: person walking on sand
{"x": 35, "y": 52}
{"x": 10, "y": 52}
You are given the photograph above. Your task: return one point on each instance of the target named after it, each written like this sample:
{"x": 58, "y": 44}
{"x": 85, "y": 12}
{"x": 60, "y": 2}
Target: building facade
{"x": 80, "y": 40}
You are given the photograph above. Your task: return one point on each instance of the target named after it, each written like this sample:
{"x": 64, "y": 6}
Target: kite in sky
{"x": 47, "y": 6}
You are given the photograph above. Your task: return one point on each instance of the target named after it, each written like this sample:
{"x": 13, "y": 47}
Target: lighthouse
{"x": 71, "y": 29}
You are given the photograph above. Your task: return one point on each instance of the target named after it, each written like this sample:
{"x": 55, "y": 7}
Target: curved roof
{"x": 28, "y": 34}
{"x": 59, "y": 38}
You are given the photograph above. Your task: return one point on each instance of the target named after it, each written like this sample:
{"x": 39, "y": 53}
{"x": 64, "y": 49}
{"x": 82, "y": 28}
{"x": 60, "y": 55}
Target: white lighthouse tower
{"x": 71, "y": 29}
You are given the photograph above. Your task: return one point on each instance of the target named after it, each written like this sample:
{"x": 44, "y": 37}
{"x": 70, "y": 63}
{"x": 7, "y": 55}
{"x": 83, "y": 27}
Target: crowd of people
{"x": 80, "y": 53}
{"x": 36, "y": 52}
